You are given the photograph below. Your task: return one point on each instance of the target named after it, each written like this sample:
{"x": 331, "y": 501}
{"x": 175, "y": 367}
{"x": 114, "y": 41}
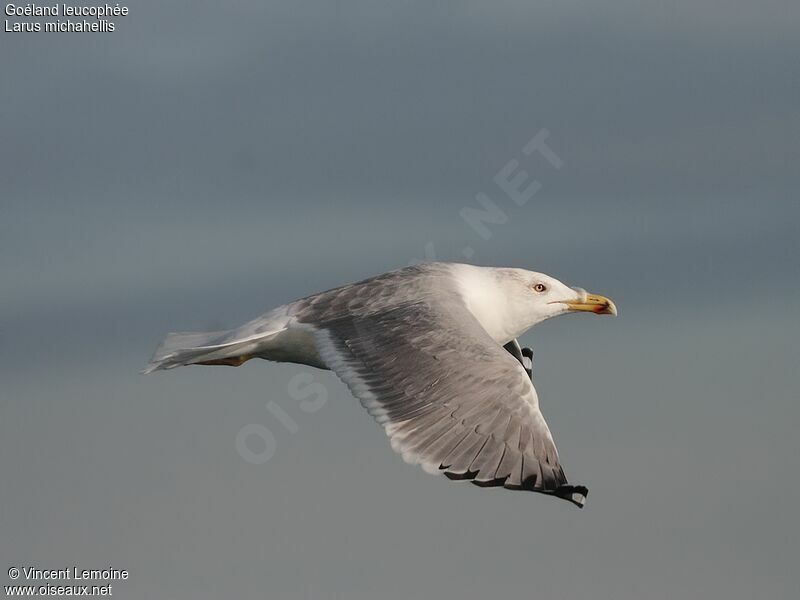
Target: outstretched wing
{"x": 449, "y": 397}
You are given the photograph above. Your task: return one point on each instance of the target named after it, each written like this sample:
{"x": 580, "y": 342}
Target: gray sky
{"x": 206, "y": 162}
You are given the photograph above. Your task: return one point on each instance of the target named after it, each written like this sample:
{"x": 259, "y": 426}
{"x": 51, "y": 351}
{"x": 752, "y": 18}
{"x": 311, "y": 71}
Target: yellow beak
{"x": 599, "y": 305}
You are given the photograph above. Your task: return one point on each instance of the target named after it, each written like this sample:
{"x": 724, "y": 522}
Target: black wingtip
{"x": 573, "y": 493}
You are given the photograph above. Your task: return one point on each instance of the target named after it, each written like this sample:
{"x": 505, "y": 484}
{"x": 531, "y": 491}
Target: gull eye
{"x": 540, "y": 287}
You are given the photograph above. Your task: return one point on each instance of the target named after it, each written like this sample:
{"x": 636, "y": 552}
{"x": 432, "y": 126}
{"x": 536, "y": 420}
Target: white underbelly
{"x": 293, "y": 345}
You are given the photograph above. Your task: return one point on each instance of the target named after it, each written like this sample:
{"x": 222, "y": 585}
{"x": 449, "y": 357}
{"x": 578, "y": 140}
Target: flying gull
{"x": 431, "y": 352}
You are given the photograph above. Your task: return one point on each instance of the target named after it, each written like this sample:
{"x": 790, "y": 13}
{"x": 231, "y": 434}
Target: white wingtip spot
{"x": 431, "y": 468}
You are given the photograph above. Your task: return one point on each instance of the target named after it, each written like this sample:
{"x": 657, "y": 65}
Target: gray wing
{"x": 449, "y": 397}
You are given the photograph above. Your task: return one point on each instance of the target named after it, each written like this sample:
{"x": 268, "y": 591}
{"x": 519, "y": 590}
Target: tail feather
{"x": 219, "y": 347}
{"x": 178, "y": 349}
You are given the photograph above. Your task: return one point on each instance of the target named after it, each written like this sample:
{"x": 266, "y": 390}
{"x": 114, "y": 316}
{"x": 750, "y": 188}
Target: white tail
{"x": 218, "y": 347}
{"x": 185, "y": 348}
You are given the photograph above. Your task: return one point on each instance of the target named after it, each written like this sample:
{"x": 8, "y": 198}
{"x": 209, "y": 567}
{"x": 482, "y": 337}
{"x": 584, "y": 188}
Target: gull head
{"x": 507, "y": 302}
{"x": 537, "y": 297}
{"x": 511, "y": 301}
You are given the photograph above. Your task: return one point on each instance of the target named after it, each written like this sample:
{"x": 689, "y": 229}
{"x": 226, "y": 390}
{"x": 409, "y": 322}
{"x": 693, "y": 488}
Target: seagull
{"x": 431, "y": 352}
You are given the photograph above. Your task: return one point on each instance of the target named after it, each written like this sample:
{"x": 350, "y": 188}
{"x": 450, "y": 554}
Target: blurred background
{"x": 207, "y": 161}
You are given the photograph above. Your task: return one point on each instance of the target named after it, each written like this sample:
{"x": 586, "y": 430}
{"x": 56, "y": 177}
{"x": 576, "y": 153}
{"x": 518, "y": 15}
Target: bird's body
{"x": 423, "y": 350}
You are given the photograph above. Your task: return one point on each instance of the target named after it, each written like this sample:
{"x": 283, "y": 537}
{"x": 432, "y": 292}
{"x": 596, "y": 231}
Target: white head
{"x": 508, "y": 302}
